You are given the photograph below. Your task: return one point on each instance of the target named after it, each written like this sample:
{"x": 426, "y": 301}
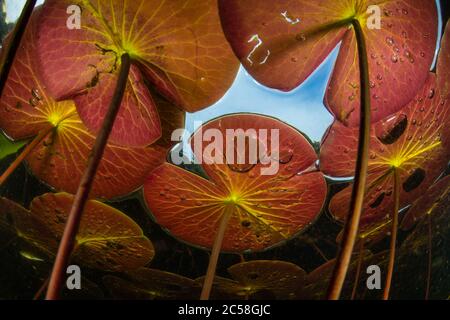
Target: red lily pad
{"x": 280, "y": 43}
{"x": 443, "y": 63}
{"x": 414, "y": 141}
{"x": 107, "y": 239}
{"x": 267, "y": 209}
{"x": 178, "y": 46}
{"x": 27, "y": 109}
{"x": 281, "y": 278}
{"x": 427, "y": 203}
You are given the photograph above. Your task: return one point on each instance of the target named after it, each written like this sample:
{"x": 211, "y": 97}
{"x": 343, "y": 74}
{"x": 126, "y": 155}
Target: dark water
{"x": 21, "y": 278}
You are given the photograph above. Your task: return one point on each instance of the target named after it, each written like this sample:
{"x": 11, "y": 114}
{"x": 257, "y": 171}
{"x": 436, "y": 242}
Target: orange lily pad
{"x": 150, "y": 284}
{"x": 443, "y": 63}
{"x": 267, "y": 209}
{"x": 178, "y": 46}
{"x": 27, "y": 110}
{"x": 107, "y": 239}
{"x": 427, "y": 203}
{"x": 414, "y": 141}
{"x": 282, "y": 279}
{"x": 280, "y": 43}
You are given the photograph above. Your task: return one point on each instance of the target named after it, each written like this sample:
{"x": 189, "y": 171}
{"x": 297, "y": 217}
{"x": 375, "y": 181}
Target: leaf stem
{"x": 10, "y": 51}
{"x": 28, "y": 149}
{"x": 358, "y": 192}
{"x": 358, "y": 268}
{"x": 73, "y": 222}
{"x": 390, "y": 271}
{"x": 217, "y": 247}
{"x": 41, "y": 289}
{"x": 430, "y": 259}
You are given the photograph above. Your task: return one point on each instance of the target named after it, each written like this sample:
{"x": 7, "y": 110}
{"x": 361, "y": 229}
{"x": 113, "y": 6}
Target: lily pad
{"x": 267, "y": 209}
{"x": 414, "y": 141}
{"x": 27, "y": 110}
{"x": 280, "y": 43}
{"x": 107, "y": 239}
{"x": 151, "y": 284}
{"x": 178, "y": 46}
{"x": 427, "y": 203}
{"x": 281, "y": 279}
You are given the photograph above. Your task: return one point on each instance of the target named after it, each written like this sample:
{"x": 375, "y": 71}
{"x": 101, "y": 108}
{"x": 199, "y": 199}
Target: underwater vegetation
{"x": 89, "y": 164}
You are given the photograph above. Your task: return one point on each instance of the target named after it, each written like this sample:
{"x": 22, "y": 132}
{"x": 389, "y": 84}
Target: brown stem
{"x": 217, "y": 247}
{"x": 358, "y": 268}
{"x": 10, "y": 51}
{"x": 390, "y": 271}
{"x": 73, "y": 222}
{"x": 41, "y": 289}
{"x": 29, "y": 148}
{"x": 430, "y": 260}
{"x": 320, "y": 252}
{"x": 358, "y": 192}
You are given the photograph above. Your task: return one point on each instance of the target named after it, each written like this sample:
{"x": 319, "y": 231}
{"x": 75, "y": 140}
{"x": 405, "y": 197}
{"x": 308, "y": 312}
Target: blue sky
{"x": 302, "y": 108}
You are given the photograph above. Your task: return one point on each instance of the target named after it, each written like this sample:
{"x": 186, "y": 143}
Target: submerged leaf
{"x": 107, "y": 239}
{"x": 419, "y": 152}
{"x": 279, "y": 278}
{"x": 8, "y": 147}
{"x": 26, "y": 109}
{"x": 177, "y": 45}
{"x": 281, "y": 43}
{"x": 267, "y": 209}
{"x": 429, "y": 202}
{"x": 149, "y": 284}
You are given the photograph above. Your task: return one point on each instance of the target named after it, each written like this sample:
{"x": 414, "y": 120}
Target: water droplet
{"x": 352, "y": 97}
{"x": 390, "y": 130}
{"x": 431, "y": 93}
{"x": 379, "y": 77}
{"x": 241, "y": 168}
{"x": 286, "y": 156}
{"x": 405, "y": 12}
{"x": 422, "y": 54}
{"x": 294, "y": 59}
{"x": 373, "y": 56}
{"x": 372, "y": 84}
{"x": 389, "y": 41}
{"x": 35, "y": 94}
{"x": 33, "y": 102}
{"x": 300, "y": 37}
{"x": 394, "y": 58}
